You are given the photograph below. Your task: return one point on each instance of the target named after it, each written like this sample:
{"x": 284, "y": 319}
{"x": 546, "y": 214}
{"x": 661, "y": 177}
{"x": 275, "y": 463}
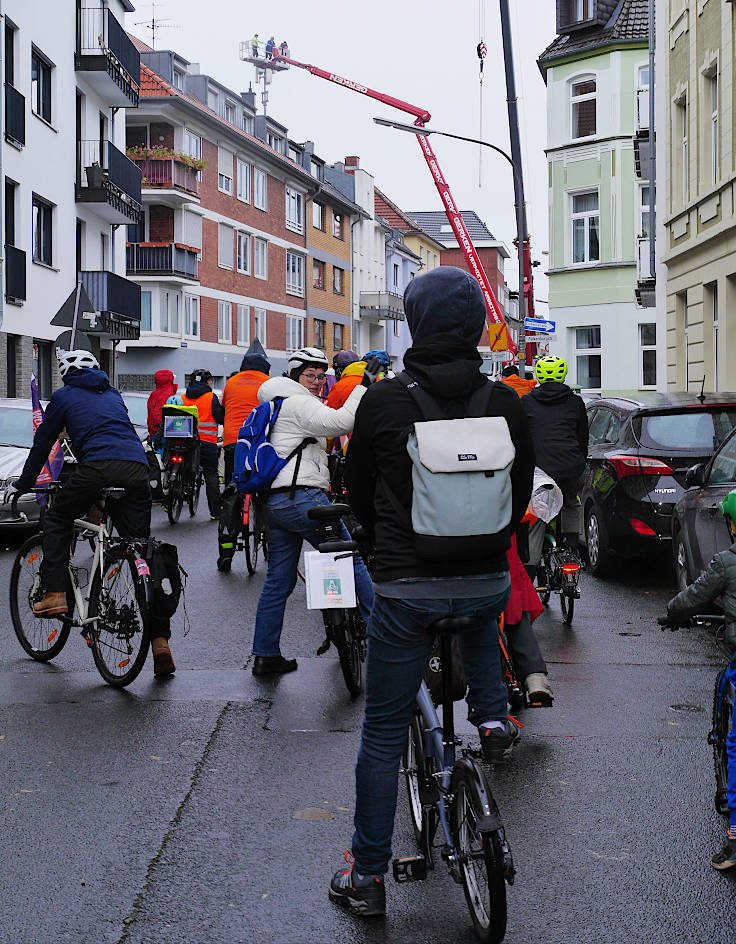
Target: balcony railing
{"x": 168, "y": 172}
{"x": 642, "y": 109}
{"x": 15, "y": 274}
{"x": 15, "y": 116}
{"x": 105, "y": 175}
{"x": 118, "y": 302}
{"x": 104, "y": 47}
{"x": 382, "y": 305}
{"x": 162, "y": 259}
{"x": 643, "y": 267}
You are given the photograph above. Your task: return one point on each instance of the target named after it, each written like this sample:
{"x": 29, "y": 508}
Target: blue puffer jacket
{"x": 96, "y": 420}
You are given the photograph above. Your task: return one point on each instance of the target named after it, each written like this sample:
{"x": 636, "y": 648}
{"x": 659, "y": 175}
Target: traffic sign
{"x": 498, "y": 337}
{"x": 539, "y": 325}
{"x": 537, "y": 338}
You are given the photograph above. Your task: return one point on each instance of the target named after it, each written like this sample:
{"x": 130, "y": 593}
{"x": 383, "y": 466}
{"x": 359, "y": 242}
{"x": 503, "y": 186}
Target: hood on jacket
{"x": 88, "y": 378}
{"x": 164, "y": 378}
{"x": 551, "y": 392}
{"x": 197, "y": 388}
{"x": 353, "y": 370}
{"x": 256, "y": 362}
{"x": 280, "y": 387}
{"x": 446, "y": 300}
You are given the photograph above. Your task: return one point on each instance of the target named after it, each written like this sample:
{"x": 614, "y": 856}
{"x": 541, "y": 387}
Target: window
{"x": 224, "y": 246}
{"x": 604, "y": 428}
{"x": 244, "y": 253}
{"x": 588, "y": 357}
{"x": 213, "y": 100}
{"x": 243, "y": 181}
{"x": 434, "y": 266}
{"x": 683, "y": 157}
{"x": 275, "y": 142}
{"x": 421, "y": 255}
{"x": 191, "y": 316}
{"x": 644, "y": 214}
{"x": 714, "y": 146}
{"x": 316, "y": 170}
{"x": 397, "y": 328}
{"x": 318, "y": 274}
{"x": 224, "y": 170}
{"x": 230, "y": 112}
{"x": 40, "y": 85}
{"x": 724, "y": 464}
{"x": 259, "y": 324}
{"x": 243, "y": 325}
{"x": 320, "y": 330}
{"x": 259, "y": 188}
{"x": 192, "y": 144}
{"x": 42, "y": 231}
{"x": 294, "y": 332}
{"x": 712, "y": 295}
{"x": 145, "y": 311}
{"x": 580, "y": 10}
{"x": 247, "y": 123}
{"x": 318, "y": 216}
{"x": 338, "y": 332}
{"x": 648, "y": 347}
{"x": 338, "y": 280}
{"x": 169, "y": 314}
{"x": 178, "y": 80}
{"x": 260, "y": 258}
{"x": 294, "y": 210}
{"x": 585, "y": 227}
{"x": 644, "y": 76}
{"x": 294, "y": 273}
{"x": 583, "y": 101}
{"x": 337, "y": 225}
{"x": 225, "y": 322}
{"x": 396, "y": 275}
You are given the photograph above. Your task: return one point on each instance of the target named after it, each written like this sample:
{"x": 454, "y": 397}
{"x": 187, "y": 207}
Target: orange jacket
{"x": 519, "y": 384}
{"x": 351, "y": 378}
{"x": 207, "y": 425}
{"x": 239, "y": 398}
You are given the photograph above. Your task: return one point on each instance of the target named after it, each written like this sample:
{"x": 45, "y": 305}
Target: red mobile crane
{"x": 422, "y": 116}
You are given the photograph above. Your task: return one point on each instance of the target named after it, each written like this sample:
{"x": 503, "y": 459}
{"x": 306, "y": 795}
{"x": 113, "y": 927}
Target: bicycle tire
{"x": 567, "y": 603}
{"x": 543, "y": 574}
{"x": 42, "y": 639}
{"x": 345, "y": 636}
{"x": 176, "y": 497}
{"x": 194, "y": 493}
{"x": 250, "y": 546}
{"x": 421, "y": 789}
{"x": 722, "y": 720}
{"x": 480, "y": 860}
{"x": 122, "y": 629}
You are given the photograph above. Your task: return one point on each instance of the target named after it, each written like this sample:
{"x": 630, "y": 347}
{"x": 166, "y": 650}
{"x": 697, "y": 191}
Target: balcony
{"x": 107, "y": 179}
{"x": 381, "y": 305}
{"x": 645, "y": 288}
{"x": 15, "y": 275}
{"x": 173, "y": 181}
{"x": 642, "y": 109}
{"x": 110, "y": 62}
{"x": 15, "y": 117}
{"x": 165, "y": 260}
{"x": 117, "y": 302}
{"x": 641, "y": 137}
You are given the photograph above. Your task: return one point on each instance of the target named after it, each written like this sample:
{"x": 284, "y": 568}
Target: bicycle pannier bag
{"x": 461, "y": 478}
{"x": 166, "y": 578}
{"x": 256, "y": 463}
{"x": 231, "y": 522}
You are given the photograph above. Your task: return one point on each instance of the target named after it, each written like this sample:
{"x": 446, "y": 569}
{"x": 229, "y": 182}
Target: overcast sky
{"x": 421, "y": 51}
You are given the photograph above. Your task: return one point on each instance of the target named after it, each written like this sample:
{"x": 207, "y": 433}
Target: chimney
{"x": 352, "y": 161}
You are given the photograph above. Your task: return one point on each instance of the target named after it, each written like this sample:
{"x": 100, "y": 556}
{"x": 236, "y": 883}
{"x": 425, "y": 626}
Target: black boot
{"x": 273, "y": 665}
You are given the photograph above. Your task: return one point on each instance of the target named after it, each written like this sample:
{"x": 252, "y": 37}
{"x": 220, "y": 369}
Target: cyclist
{"x": 559, "y": 428}
{"x": 446, "y": 315}
{"x": 717, "y": 581}
{"x": 301, "y": 485}
{"x": 341, "y": 360}
{"x": 238, "y": 399}
{"x": 352, "y": 375}
{"x": 211, "y": 415}
{"x": 510, "y": 376}
{"x": 109, "y": 454}
{"x": 165, "y": 388}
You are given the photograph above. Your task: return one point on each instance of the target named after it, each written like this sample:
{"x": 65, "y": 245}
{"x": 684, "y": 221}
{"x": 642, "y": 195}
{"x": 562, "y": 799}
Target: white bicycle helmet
{"x": 306, "y": 357}
{"x": 76, "y": 359}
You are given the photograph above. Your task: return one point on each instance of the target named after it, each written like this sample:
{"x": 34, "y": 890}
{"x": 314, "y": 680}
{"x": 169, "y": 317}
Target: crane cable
{"x": 482, "y": 51}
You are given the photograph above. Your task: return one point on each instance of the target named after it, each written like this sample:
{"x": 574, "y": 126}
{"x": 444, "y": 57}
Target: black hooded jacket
{"x": 446, "y": 314}
{"x": 558, "y": 424}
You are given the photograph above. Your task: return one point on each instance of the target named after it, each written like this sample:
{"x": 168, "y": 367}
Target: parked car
{"x": 699, "y": 530}
{"x": 137, "y": 406}
{"x": 16, "y": 439}
{"x": 639, "y": 451}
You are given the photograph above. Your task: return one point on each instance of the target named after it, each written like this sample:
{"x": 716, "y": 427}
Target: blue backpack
{"x": 256, "y": 463}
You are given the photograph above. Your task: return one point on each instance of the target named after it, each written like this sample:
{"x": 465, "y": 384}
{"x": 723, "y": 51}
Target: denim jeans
{"x": 288, "y": 526}
{"x": 398, "y": 648}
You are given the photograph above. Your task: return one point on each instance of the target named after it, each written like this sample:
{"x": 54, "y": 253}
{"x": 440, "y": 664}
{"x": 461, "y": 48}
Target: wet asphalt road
{"x": 174, "y": 812}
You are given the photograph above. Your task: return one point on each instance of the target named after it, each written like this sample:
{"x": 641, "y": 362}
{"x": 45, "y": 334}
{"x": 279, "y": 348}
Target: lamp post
{"x": 521, "y": 233}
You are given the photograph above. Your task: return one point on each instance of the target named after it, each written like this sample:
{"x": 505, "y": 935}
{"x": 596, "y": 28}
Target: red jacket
{"x": 524, "y": 597}
{"x": 165, "y": 388}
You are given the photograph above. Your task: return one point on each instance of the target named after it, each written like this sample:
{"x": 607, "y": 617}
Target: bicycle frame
{"x": 98, "y": 563}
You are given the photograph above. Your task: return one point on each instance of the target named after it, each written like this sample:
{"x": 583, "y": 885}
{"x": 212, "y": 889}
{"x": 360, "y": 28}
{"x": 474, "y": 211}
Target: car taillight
{"x": 638, "y": 465}
{"x": 642, "y": 528}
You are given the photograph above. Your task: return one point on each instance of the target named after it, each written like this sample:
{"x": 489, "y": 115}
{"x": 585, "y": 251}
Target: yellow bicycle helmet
{"x": 550, "y": 367}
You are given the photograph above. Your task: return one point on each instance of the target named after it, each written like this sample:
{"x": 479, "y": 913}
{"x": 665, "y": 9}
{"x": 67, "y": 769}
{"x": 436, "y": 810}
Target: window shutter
{"x": 225, "y": 160}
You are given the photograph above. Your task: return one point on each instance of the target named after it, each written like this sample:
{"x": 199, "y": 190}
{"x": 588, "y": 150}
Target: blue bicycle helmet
{"x": 381, "y": 355}
{"x": 176, "y": 400}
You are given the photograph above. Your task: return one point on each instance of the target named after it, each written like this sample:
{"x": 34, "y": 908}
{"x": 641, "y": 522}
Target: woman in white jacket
{"x": 301, "y": 485}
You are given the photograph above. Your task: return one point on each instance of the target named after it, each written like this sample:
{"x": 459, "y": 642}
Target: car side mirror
{"x": 695, "y": 475}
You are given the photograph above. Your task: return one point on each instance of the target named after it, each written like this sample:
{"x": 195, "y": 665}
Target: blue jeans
{"x": 288, "y": 526}
{"x": 398, "y": 648}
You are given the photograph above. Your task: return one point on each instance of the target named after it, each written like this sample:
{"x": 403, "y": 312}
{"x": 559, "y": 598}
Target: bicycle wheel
{"x": 480, "y": 859}
{"x": 42, "y": 639}
{"x": 251, "y": 545}
{"x": 567, "y": 604}
{"x": 543, "y": 577}
{"x": 120, "y": 637}
{"x": 194, "y": 493}
{"x": 722, "y": 721}
{"x": 176, "y": 497}
{"x": 345, "y": 632}
{"x": 421, "y": 788}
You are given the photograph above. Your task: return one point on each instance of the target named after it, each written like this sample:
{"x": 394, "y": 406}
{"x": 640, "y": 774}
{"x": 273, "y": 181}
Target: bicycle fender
{"x": 488, "y": 816}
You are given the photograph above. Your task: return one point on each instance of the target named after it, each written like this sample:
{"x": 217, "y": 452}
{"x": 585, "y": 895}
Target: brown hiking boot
{"x": 51, "y": 604}
{"x": 163, "y": 661}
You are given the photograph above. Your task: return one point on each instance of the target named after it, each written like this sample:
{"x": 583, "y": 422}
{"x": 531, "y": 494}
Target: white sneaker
{"x": 539, "y": 691}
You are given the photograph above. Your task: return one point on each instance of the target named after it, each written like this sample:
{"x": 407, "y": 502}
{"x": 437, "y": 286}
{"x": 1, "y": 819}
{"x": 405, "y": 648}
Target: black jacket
{"x": 558, "y": 425}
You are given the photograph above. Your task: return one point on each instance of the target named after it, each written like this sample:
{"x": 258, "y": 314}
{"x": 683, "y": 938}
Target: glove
{"x": 374, "y": 370}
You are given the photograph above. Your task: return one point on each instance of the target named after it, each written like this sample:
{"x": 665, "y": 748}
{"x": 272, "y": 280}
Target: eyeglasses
{"x": 312, "y": 377}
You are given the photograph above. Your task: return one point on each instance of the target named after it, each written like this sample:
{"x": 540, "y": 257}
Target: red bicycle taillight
{"x": 570, "y": 568}
{"x": 638, "y": 465}
{"x": 177, "y": 459}
{"x": 642, "y": 528}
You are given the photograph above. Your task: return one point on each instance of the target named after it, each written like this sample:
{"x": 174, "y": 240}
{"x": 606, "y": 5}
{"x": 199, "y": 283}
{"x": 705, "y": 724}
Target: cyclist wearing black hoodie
{"x": 446, "y": 314}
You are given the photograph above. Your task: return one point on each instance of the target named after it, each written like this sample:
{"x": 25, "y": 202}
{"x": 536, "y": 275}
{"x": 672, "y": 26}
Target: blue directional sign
{"x": 537, "y": 324}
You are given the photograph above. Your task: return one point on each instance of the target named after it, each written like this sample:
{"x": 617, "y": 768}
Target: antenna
{"x": 156, "y": 23}
{"x": 701, "y": 395}
{"x": 267, "y": 59}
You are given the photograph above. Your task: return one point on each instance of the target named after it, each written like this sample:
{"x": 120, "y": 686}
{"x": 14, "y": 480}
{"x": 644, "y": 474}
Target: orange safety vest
{"x": 207, "y": 425}
{"x": 239, "y": 398}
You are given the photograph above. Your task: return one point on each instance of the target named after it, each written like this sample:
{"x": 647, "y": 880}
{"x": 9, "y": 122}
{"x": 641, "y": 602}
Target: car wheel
{"x": 679, "y": 556}
{"x": 596, "y": 539}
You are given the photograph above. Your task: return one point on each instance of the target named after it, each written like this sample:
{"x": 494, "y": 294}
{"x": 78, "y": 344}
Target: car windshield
{"x": 137, "y": 408}
{"x": 16, "y": 427}
{"x": 694, "y": 430}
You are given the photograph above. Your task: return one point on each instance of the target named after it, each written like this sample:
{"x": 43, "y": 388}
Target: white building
{"x": 69, "y": 71}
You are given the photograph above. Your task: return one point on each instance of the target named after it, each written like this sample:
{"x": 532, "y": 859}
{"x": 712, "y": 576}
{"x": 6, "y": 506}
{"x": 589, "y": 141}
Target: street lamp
{"x": 521, "y": 233}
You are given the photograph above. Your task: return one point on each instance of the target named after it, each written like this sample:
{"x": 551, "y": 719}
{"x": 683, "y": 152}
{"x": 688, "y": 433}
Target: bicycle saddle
{"x": 328, "y": 512}
{"x": 451, "y": 624}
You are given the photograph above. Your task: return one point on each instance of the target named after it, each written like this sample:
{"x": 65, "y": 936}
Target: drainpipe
{"x": 354, "y": 321}
{"x": 652, "y": 149}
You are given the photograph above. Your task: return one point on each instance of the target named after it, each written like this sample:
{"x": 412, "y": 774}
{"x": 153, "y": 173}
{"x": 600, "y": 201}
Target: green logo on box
{"x": 332, "y": 586}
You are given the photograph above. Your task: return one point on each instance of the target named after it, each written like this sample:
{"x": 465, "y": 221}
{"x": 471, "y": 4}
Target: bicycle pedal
{"x": 410, "y": 869}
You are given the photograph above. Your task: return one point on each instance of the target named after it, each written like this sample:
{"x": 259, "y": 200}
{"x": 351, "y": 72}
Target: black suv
{"x": 639, "y": 450}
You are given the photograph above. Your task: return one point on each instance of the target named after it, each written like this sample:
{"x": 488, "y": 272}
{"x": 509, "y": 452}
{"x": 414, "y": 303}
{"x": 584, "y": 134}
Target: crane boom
{"x": 494, "y": 314}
